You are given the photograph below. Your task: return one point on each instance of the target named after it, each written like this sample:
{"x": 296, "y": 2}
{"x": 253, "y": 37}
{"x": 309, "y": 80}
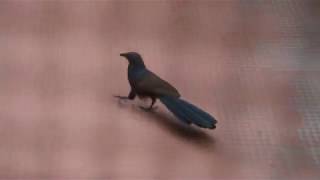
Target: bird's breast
{"x": 135, "y": 75}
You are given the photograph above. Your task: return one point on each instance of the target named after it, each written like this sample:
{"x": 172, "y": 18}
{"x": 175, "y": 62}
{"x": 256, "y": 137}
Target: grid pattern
{"x": 308, "y": 102}
{"x": 253, "y": 64}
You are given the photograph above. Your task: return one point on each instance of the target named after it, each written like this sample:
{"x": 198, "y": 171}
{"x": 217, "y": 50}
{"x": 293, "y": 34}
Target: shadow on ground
{"x": 169, "y": 123}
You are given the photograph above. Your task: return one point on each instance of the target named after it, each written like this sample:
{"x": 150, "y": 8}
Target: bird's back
{"x": 147, "y": 83}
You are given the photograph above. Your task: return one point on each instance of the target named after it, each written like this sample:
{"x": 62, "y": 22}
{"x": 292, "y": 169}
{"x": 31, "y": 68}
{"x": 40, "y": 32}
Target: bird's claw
{"x": 121, "y": 97}
{"x": 148, "y": 109}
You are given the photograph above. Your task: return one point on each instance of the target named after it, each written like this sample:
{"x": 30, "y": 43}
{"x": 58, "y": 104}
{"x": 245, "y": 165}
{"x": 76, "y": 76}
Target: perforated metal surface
{"x": 254, "y": 65}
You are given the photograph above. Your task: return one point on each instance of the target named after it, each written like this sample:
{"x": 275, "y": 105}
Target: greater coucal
{"x": 145, "y": 83}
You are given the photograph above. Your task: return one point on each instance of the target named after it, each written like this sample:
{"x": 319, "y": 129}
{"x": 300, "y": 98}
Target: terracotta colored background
{"x": 254, "y": 65}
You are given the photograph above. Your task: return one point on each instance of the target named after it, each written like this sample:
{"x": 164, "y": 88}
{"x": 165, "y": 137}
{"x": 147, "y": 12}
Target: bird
{"x": 146, "y": 84}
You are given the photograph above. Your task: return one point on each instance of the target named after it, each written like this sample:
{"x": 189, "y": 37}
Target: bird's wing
{"x": 154, "y": 85}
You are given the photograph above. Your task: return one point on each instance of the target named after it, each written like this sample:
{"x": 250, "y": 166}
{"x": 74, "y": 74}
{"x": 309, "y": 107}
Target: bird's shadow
{"x": 188, "y": 133}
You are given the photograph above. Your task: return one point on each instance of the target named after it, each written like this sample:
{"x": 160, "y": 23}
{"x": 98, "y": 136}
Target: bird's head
{"x": 134, "y": 58}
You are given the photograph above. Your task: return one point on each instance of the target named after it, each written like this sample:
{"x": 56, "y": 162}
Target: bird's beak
{"x": 123, "y": 54}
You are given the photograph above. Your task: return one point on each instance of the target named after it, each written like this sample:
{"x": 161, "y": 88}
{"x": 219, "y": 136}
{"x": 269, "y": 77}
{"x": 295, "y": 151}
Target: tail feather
{"x": 188, "y": 113}
{"x": 176, "y": 110}
{"x": 197, "y": 116}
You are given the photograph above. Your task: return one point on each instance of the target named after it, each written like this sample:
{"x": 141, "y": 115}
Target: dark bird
{"x": 145, "y": 83}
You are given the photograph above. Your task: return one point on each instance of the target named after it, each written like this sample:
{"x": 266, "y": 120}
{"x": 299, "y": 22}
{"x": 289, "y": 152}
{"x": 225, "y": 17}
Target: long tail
{"x": 188, "y": 113}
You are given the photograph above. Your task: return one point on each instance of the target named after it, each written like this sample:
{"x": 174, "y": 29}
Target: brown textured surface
{"x": 254, "y": 65}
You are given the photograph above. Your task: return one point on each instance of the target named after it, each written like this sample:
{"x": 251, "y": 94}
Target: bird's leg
{"x": 153, "y": 102}
{"x": 151, "y": 106}
{"x": 131, "y": 96}
{"x": 121, "y": 97}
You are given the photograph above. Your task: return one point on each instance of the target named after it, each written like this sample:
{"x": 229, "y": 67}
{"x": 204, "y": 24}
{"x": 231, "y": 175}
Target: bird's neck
{"x": 136, "y": 67}
{"x": 136, "y": 71}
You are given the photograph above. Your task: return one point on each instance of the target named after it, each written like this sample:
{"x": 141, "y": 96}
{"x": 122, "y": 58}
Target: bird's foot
{"x": 121, "y": 97}
{"x": 148, "y": 109}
